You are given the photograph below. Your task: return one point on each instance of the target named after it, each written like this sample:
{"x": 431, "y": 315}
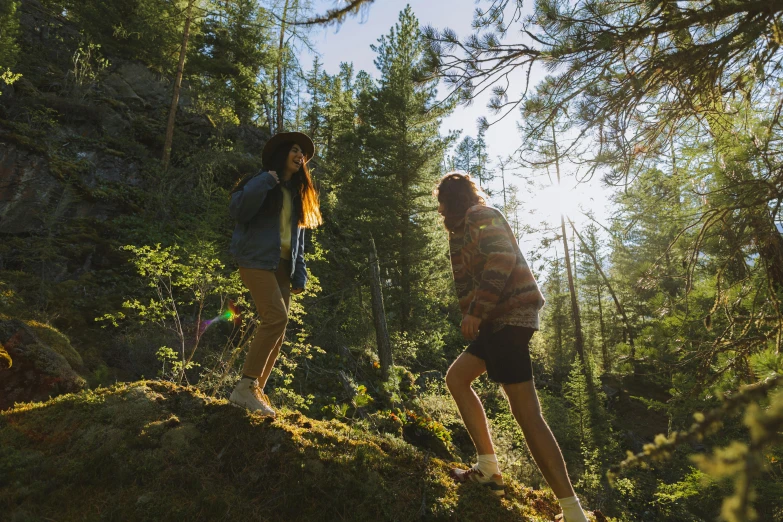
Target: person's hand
{"x": 274, "y": 175}
{"x": 297, "y": 290}
{"x": 470, "y": 327}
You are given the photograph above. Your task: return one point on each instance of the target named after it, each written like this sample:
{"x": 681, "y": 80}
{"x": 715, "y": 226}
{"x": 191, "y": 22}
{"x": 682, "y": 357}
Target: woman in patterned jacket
{"x": 499, "y": 300}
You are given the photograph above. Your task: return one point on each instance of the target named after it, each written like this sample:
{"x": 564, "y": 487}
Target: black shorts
{"x": 505, "y": 352}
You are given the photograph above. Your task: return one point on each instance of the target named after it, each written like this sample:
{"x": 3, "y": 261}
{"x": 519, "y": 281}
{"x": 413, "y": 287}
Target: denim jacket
{"x": 255, "y": 242}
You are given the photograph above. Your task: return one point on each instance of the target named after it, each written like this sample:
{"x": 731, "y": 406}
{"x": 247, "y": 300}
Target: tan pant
{"x": 271, "y": 292}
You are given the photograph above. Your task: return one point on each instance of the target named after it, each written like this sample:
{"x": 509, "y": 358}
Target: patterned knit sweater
{"x": 492, "y": 277}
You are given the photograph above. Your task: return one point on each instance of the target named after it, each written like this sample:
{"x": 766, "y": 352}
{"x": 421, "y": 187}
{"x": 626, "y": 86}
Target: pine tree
{"x": 556, "y": 324}
{"x": 399, "y": 165}
{"x": 593, "y": 296}
{"x": 232, "y": 62}
{"x": 544, "y": 150}
{"x": 471, "y": 157}
{"x": 466, "y": 158}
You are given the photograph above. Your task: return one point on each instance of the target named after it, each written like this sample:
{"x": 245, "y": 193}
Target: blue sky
{"x": 351, "y": 43}
{"x": 353, "y": 39}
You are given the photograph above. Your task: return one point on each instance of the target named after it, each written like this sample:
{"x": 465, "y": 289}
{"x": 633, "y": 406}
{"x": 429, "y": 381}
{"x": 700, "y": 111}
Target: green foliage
{"x": 231, "y": 60}
{"x": 144, "y": 30}
{"x": 424, "y": 432}
{"x": 691, "y": 253}
{"x": 470, "y": 156}
{"x": 740, "y": 461}
{"x": 88, "y": 63}
{"x": 558, "y": 333}
{"x": 577, "y": 393}
{"x": 8, "y": 77}
{"x": 399, "y": 136}
{"x": 673, "y": 500}
{"x": 176, "y": 367}
{"x": 9, "y": 48}
{"x": 183, "y": 285}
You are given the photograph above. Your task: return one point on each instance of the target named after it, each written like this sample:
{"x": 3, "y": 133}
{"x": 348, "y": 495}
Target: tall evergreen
{"x": 471, "y": 156}
{"x": 556, "y": 325}
{"x": 399, "y": 165}
{"x": 232, "y": 61}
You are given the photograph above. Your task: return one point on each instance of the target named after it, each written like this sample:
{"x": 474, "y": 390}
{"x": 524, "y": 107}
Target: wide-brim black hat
{"x": 301, "y": 139}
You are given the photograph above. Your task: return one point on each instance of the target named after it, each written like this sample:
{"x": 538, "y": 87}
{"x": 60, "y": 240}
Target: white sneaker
{"x": 247, "y": 394}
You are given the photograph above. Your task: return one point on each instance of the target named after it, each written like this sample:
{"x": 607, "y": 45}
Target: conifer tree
{"x": 232, "y": 61}
{"x": 466, "y": 158}
{"x": 593, "y": 295}
{"x": 399, "y": 163}
{"x": 545, "y": 150}
{"x": 556, "y": 324}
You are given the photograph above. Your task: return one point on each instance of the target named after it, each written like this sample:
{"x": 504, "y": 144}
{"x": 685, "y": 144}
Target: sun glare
{"x": 550, "y": 202}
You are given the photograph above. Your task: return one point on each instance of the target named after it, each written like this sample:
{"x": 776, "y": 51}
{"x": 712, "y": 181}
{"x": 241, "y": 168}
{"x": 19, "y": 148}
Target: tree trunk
{"x": 503, "y": 179}
{"x": 279, "y": 124}
{"x": 177, "y": 85}
{"x": 579, "y": 339}
{"x": 379, "y": 314}
{"x": 604, "y": 352}
{"x": 405, "y": 272}
{"x": 619, "y": 306}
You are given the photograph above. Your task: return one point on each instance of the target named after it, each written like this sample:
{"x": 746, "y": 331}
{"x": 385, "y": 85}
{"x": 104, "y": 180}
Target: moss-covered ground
{"x": 156, "y": 451}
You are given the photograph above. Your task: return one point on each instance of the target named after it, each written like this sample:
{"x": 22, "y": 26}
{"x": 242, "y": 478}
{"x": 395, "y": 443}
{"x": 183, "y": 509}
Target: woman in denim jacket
{"x": 272, "y": 209}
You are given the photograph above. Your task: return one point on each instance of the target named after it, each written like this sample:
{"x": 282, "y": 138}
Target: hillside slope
{"x": 155, "y": 451}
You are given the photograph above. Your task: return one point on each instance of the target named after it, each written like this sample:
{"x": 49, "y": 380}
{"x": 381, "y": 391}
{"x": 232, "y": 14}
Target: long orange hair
{"x": 310, "y": 216}
{"x": 311, "y": 207}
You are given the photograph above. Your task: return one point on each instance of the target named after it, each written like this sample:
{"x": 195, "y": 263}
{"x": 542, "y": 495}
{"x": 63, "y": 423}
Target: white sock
{"x": 488, "y": 465}
{"x": 572, "y": 509}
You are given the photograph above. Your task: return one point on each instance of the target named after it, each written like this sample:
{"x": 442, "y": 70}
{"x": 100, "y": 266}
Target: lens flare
{"x": 231, "y": 314}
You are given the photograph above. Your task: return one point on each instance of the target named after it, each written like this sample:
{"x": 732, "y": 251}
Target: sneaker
{"x": 248, "y": 395}
{"x": 494, "y": 483}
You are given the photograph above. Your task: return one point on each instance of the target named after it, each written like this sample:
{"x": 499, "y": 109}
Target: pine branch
{"x": 705, "y": 424}
{"x": 337, "y": 16}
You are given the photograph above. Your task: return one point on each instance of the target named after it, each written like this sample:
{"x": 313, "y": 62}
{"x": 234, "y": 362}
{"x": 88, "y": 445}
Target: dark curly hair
{"x": 458, "y": 192}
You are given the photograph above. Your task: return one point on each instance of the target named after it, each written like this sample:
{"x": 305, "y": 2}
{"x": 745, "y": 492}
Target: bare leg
{"x": 524, "y": 404}
{"x": 461, "y": 374}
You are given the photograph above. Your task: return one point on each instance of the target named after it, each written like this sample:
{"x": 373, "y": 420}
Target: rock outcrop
{"x": 36, "y": 362}
{"x": 155, "y": 451}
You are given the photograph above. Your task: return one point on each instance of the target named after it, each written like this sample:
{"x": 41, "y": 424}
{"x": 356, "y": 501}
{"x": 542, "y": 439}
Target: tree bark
{"x": 279, "y": 124}
{"x": 177, "y": 85}
{"x": 503, "y": 179}
{"x": 379, "y": 314}
{"x": 604, "y": 352}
